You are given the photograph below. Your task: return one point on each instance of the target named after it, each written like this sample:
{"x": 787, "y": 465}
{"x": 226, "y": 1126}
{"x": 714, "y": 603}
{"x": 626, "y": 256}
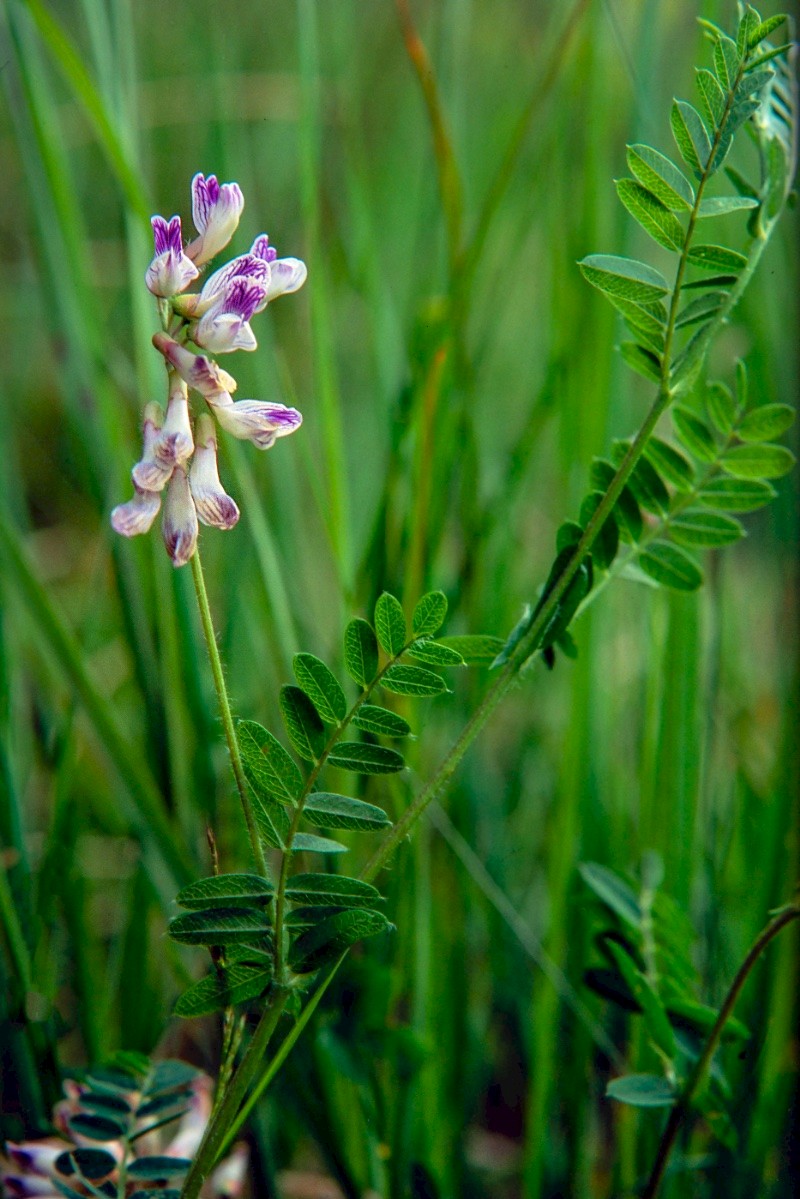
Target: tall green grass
{"x": 456, "y": 377}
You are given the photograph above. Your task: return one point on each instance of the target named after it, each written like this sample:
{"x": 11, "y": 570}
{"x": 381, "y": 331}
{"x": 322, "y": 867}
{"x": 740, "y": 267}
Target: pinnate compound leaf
{"x": 321, "y": 687}
{"x": 326, "y": 810}
{"x": 412, "y": 680}
{"x": 737, "y": 495}
{"x": 361, "y": 651}
{"x": 670, "y": 463}
{"x": 671, "y": 566}
{"x": 758, "y": 461}
{"x": 435, "y": 653}
{"x": 331, "y": 889}
{"x": 613, "y": 891}
{"x": 236, "y": 983}
{"x": 227, "y": 890}
{"x": 267, "y": 765}
{"x": 303, "y": 723}
{"x": 429, "y": 614}
{"x": 624, "y": 277}
{"x": 642, "y": 1090}
{"x": 654, "y": 217}
{"x": 390, "y": 624}
{"x": 327, "y": 940}
{"x": 641, "y": 360}
{"x": 661, "y": 177}
{"x": 717, "y": 258}
{"x": 361, "y": 758}
{"x": 655, "y": 1016}
{"x": 695, "y": 434}
{"x": 690, "y": 136}
{"x": 308, "y": 843}
{"x": 371, "y": 718}
{"x": 158, "y": 1166}
{"x": 220, "y": 926}
{"x": 694, "y": 527}
{"x": 766, "y": 422}
{"x": 476, "y": 649}
{"x": 91, "y": 1164}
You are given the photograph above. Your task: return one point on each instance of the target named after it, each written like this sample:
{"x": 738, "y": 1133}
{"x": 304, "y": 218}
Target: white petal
{"x": 214, "y": 506}
{"x": 179, "y": 527}
{"x": 261, "y": 423}
{"x": 137, "y": 515}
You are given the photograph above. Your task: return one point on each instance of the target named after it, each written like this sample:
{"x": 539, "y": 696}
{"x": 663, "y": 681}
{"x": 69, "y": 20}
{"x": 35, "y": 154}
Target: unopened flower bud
{"x": 171, "y": 271}
{"x": 214, "y": 506}
{"x": 216, "y": 208}
{"x": 180, "y": 519}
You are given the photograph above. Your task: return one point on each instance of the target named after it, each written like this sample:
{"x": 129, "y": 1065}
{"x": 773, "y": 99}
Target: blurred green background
{"x": 450, "y": 419}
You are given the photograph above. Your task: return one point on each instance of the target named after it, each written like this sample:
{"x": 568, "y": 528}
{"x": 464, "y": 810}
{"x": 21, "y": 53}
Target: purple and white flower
{"x": 151, "y": 473}
{"x": 171, "y": 270}
{"x": 256, "y": 421}
{"x": 179, "y": 527}
{"x": 196, "y": 370}
{"x": 138, "y": 514}
{"x": 216, "y": 208}
{"x": 214, "y": 506}
{"x": 225, "y": 327}
{"x": 286, "y": 274}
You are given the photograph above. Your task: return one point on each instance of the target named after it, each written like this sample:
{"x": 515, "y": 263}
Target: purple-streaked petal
{"x": 151, "y": 473}
{"x": 171, "y": 271}
{"x": 216, "y": 208}
{"x": 224, "y": 327}
{"x": 214, "y": 506}
{"x": 34, "y": 1156}
{"x": 286, "y": 275}
{"x": 262, "y": 249}
{"x": 175, "y": 443}
{"x": 248, "y": 266}
{"x": 180, "y": 519}
{"x": 196, "y": 370}
{"x": 138, "y": 514}
{"x": 261, "y": 423}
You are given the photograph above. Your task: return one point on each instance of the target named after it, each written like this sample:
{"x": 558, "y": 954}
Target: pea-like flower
{"x": 171, "y": 270}
{"x": 179, "y": 455}
{"x": 216, "y": 208}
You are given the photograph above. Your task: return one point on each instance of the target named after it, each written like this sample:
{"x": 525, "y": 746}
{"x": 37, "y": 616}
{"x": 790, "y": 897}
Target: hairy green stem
{"x": 225, "y": 711}
{"x": 683, "y": 1106}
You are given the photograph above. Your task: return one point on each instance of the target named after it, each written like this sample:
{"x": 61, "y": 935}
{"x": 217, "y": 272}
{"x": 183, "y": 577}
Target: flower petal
{"x": 138, "y": 514}
{"x": 216, "y": 208}
{"x": 214, "y": 506}
{"x": 179, "y": 527}
{"x": 196, "y": 370}
{"x": 253, "y": 420}
{"x": 171, "y": 271}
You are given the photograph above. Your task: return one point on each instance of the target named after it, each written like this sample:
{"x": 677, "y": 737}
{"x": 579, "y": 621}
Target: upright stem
{"x": 682, "y": 1107}
{"x": 225, "y": 711}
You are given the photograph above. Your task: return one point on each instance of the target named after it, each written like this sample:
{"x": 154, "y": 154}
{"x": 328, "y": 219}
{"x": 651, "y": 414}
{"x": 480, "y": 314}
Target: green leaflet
{"x": 645, "y": 483}
{"x": 429, "y": 614}
{"x": 267, "y": 765}
{"x": 721, "y": 407}
{"x": 642, "y": 360}
{"x": 232, "y": 984}
{"x": 712, "y": 97}
{"x": 226, "y": 890}
{"x": 476, "y": 649}
{"x": 613, "y": 891}
{"x": 690, "y": 136}
{"x": 661, "y": 177}
{"x": 717, "y": 258}
{"x": 331, "y": 889}
{"x": 654, "y": 216}
{"x": 157, "y": 1166}
{"x": 302, "y": 918}
{"x": 96, "y": 1128}
{"x": 361, "y": 651}
{"x": 308, "y": 843}
{"x": 434, "y": 653}
{"x": 655, "y": 1016}
{"x": 321, "y": 687}
{"x": 671, "y": 566}
{"x": 366, "y": 759}
{"x": 737, "y": 495}
{"x": 726, "y": 61}
{"x": 302, "y": 722}
{"x": 92, "y": 1164}
{"x": 220, "y": 926}
{"x": 670, "y": 463}
{"x": 624, "y": 277}
{"x": 758, "y": 461}
{"x": 764, "y": 29}
{"x": 390, "y": 624}
{"x": 412, "y": 680}
{"x": 701, "y": 528}
{"x": 327, "y": 940}
{"x": 326, "y": 810}
{"x": 703, "y": 308}
{"x": 694, "y": 434}
{"x": 371, "y": 718}
{"x": 642, "y": 1090}
{"x": 770, "y": 420}
{"x": 606, "y": 543}
{"x": 626, "y": 509}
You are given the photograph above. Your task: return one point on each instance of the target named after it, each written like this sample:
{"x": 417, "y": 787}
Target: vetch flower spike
{"x": 214, "y": 506}
{"x": 216, "y": 208}
{"x": 171, "y": 270}
{"x": 253, "y": 420}
{"x": 179, "y": 527}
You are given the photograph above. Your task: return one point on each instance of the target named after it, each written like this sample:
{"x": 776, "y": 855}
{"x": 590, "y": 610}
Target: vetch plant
{"x": 702, "y": 453}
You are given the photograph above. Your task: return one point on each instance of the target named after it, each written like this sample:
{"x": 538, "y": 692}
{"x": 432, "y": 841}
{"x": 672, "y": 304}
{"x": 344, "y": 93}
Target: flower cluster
{"x": 180, "y": 450}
